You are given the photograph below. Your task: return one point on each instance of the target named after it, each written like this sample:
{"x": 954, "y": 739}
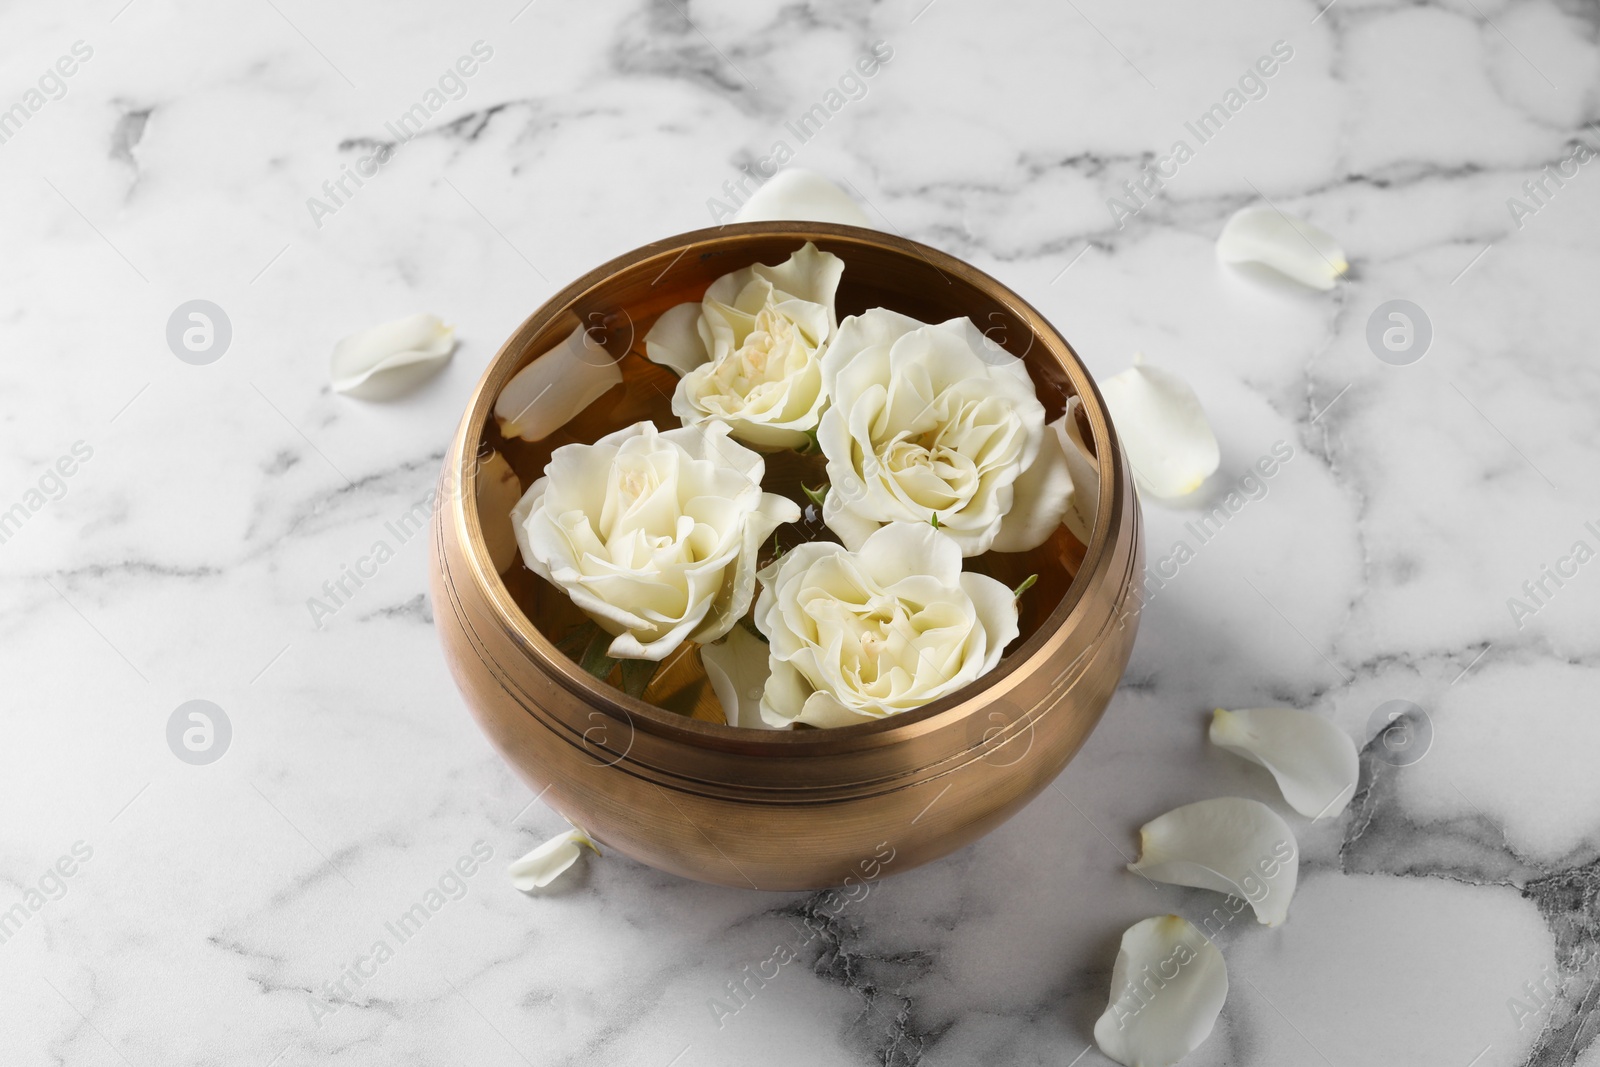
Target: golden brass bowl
{"x": 806, "y": 808}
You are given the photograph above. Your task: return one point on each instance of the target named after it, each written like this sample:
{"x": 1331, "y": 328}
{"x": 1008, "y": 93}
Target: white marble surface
{"x": 219, "y": 899}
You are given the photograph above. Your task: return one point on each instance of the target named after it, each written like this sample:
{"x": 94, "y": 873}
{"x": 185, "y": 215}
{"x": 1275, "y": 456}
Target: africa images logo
{"x": 52, "y": 85}
{"x": 451, "y": 84}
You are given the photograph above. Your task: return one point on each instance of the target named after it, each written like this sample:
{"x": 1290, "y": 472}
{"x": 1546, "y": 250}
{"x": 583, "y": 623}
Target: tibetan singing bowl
{"x": 673, "y": 786}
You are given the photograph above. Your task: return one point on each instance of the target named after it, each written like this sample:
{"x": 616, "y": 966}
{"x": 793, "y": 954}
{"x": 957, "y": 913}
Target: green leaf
{"x": 817, "y": 495}
{"x": 636, "y": 675}
{"x": 935, "y": 520}
{"x": 813, "y": 446}
{"x": 577, "y": 639}
{"x": 1027, "y": 584}
{"x": 595, "y": 660}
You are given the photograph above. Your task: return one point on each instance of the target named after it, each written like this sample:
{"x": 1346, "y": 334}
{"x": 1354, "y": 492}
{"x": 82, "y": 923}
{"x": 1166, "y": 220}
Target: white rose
{"x": 890, "y": 627}
{"x": 936, "y": 420}
{"x": 653, "y": 534}
{"x": 748, "y": 353}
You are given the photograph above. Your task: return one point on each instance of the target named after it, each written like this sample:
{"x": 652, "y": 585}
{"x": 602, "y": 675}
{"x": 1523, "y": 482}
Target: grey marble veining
{"x": 231, "y": 912}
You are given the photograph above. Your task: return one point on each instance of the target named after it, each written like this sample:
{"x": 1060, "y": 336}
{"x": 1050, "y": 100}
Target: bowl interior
{"x": 619, "y": 301}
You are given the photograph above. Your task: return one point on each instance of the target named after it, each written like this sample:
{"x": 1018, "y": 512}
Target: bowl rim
{"x": 600, "y": 696}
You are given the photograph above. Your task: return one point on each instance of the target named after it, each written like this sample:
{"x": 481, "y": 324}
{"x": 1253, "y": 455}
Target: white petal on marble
{"x": 549, "y": 392}
{"x": 1164, "y": 429}
{"x": 385, "y": 361}
{"x": 797, "y": 194}
{"x": 1291, "y": 246}
{"x": 550, "y": 860}
{"x": 497, "y": 493}
{"x": 1228, "y": 844}
{"x": 737, "y": 667}
{"x": 1314, "y": 761}
{"x": 1083, "y": 469}
{"x": 1167, "y": 988}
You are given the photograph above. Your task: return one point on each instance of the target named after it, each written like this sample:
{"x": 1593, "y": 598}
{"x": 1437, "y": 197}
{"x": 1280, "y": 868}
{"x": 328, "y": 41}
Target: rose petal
{"x": 797, "y": 194}
{"x": 748, "y": 354}
{"x": 1291, "y": 246}
{"x": 498, "y": 493}
{"x": 1084, "y": 470}
{"x": 1313, "y": 760}
{"x": 810, "y": 275}
{"x": 822, "y": 710}
{"x": 902, "y": 549}
{"x": 933, "y": 419}
{"x": 653, "y": 534}
{"x": 1039, "y": 497}
{"x": 737, "y": 668}
{"x": 674, "y": 341}
{"x": 1230, "y": 845}
{"x": 1167, "y": 987}
{"x": 387, "y": 360}
{"x": 547, "y": 862}
{"x": 996, "y": 607}
{"x": 546, "y": 394}
{"x": 1163, "y": 429}
{"x": 857, "y": 636}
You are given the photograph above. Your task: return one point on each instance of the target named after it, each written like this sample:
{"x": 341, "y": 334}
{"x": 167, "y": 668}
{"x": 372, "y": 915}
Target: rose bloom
{"x": 748, "y": 353}
{"x": 894, "y": 625}
{"x": 937, "y": 421}
{"x": 654, "y": 535}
